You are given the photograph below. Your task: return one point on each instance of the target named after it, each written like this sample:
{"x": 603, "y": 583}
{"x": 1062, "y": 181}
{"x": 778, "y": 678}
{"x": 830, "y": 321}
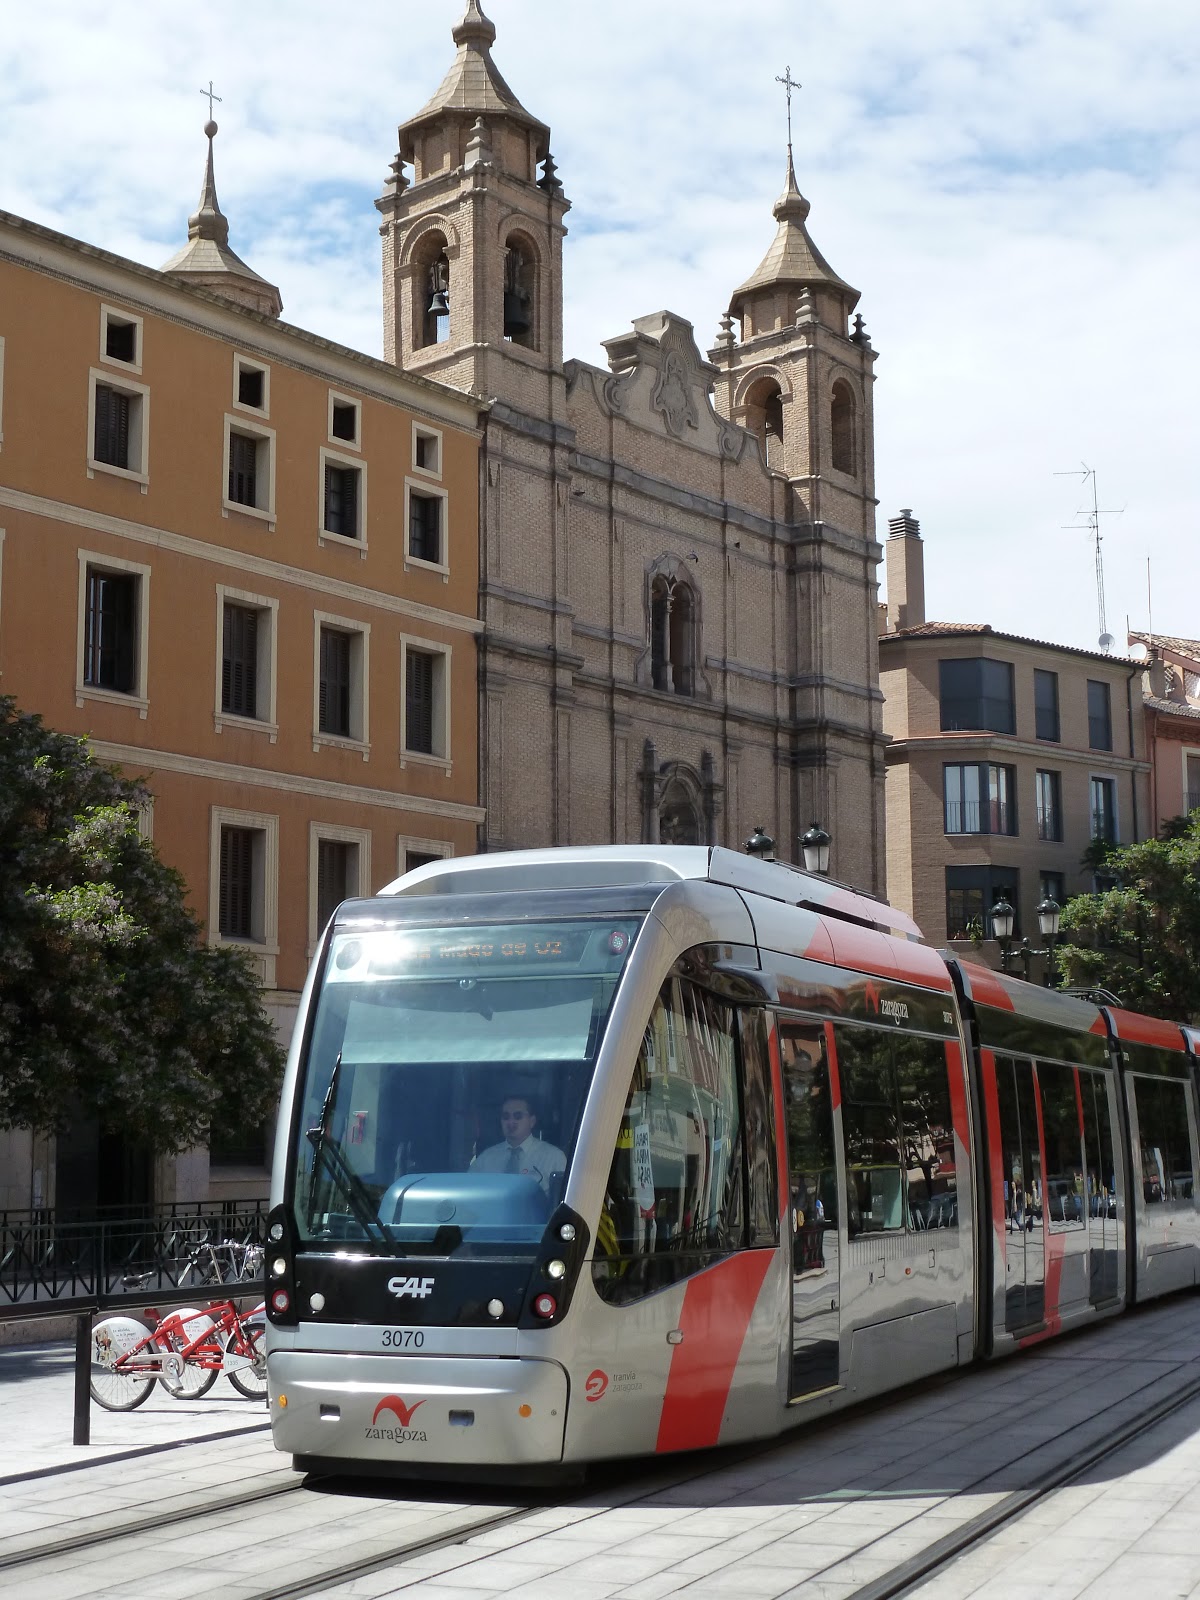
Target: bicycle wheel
{"x": 116, "y": 1387}
{"x": 251, "y": 1380}
{"x": 197, "y": 1377}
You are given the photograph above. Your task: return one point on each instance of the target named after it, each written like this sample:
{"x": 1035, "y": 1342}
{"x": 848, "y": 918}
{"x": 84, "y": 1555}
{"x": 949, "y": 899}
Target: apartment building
{"x": 1171, "y": 705}
{"x": 243, "y": 561}
{"x": 1008, "y": 756}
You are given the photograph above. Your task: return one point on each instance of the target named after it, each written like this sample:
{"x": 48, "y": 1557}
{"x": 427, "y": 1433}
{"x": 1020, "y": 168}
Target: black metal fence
{"x": 69, "y": 1263}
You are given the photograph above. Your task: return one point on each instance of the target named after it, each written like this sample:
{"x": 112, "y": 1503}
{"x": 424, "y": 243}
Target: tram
{"x": 615, "y": 1151}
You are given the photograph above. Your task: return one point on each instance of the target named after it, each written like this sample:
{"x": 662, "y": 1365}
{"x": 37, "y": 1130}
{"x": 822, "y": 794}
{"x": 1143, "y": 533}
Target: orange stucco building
{"x": 244, "y": 562}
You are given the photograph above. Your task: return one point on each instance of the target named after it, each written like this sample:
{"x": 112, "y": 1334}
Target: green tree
{"x": 1141, "y": 939}
{"x": 110, "y": 1000}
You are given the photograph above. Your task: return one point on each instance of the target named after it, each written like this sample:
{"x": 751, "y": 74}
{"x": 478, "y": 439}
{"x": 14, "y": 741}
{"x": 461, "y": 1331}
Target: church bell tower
{"x": 472, "y": 242}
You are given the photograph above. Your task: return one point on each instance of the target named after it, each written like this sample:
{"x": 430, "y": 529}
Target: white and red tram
{"x": 606, "y": 1152}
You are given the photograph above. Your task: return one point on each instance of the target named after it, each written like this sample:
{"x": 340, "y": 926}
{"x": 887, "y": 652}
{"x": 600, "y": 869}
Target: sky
{"x": 1012, "y": 188}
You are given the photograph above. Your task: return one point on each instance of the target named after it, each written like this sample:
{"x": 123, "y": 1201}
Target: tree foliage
{"x": 1141, "y": 939}
{"x": 111, "y": 1003}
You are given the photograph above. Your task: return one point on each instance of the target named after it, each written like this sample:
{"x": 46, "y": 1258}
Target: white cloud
{"x": 1012, "y": 188}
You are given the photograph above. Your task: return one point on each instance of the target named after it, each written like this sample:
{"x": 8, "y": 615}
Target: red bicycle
{"x": 186, "y": 1351}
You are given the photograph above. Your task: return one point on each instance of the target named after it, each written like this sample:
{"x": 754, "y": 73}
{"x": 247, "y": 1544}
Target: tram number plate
{"x": 403, "y": 1338}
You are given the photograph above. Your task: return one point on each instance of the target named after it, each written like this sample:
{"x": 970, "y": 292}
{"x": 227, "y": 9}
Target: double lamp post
{"x": 1003, "y": 917}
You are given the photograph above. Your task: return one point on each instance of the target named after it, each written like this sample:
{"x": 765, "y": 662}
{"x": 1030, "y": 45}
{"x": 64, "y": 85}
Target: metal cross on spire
{"x": 210, "y": 96}
{"x": 789, "y": 83}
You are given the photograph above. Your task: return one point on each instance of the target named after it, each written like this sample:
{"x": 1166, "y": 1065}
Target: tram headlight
{"x": 275, "y": 1232}
{"x": 544, "y": 1306}
{"x": 567, "y": 1232}
{"x": 279, "y": 1266}
{"x": 556, "y": 1269}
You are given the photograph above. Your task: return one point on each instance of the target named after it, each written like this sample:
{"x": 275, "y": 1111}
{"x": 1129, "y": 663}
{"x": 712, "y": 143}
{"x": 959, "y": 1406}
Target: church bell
{"x": 516, "y": 313}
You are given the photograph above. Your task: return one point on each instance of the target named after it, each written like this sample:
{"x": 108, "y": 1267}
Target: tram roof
{"x": 606, "y": 866}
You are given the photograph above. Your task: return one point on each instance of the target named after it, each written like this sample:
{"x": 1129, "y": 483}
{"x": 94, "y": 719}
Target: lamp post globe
{"x": 815, "y": 847}
{"x": 1003, "y": 917}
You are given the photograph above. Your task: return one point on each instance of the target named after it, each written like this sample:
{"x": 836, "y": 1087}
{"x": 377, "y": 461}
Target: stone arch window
{"x": 841, "y": 427}
{"x": 520, "y": 291}
{"x": 764, "y": 419}
{"x": 672, "y": 635}
{"x": 679, "y": 820}
{"x": 431, "y": 291}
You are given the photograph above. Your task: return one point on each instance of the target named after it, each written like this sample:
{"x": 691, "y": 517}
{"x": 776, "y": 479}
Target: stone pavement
{"x": 833, "y": 1509}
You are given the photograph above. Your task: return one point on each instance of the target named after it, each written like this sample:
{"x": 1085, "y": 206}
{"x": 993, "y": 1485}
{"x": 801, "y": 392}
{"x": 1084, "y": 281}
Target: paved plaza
{"x": 835, "y": 1511}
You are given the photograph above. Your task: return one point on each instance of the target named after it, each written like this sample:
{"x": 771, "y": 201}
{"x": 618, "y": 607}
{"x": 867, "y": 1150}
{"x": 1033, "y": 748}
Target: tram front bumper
{"x": 414, "y": 1411}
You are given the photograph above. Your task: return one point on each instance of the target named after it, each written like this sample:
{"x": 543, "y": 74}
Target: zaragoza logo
{"x": 403, "y": 1412}
{"x": 393, "y": 1402}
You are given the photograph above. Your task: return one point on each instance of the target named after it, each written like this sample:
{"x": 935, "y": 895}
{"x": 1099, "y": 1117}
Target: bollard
{"x": 83, "y": 1373}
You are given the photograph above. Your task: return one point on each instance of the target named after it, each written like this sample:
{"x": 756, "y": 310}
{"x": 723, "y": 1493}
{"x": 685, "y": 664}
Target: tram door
{"x": 1102, "y": 1221}
{"x": 1021, "y": 1168}
{"x": 815, "y": 1204}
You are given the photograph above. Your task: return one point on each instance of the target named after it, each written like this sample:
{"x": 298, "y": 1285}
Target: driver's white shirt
{"x": 538, "y": 1159}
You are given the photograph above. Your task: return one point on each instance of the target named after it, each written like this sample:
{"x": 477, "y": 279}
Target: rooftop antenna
{"x": 1093, "y": 526}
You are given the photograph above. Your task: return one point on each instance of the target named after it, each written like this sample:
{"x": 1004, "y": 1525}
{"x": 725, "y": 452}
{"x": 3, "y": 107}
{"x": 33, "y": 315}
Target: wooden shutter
{"x": 243, "y": 465}
{"x": 236, "y": 896}
{"x": 341, "y": 501}
{"x": 418, "y": 703}
{"x": 424, "y": 527}
{"x": 239, "y": 668}
{"x": 333, "y": 877}
{"x": 111, "y": 442}
{"x": 334, "y": 688}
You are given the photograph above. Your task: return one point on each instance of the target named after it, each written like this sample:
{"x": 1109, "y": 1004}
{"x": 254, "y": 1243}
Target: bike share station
{"x": 116, "y": 1268}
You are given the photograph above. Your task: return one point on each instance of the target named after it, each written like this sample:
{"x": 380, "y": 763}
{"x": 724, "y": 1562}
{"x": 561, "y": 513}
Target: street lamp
{"x": 1048, "y": 914}
{"x": 761, "y": 845}
{"x": 815, "y": 847}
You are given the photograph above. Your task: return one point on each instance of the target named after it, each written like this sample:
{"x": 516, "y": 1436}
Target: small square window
{"x": 427, "y": 451}
{"x": 250, "y": 387}
{"x": 344, "y": 422}
{"x": 120, "y": 340}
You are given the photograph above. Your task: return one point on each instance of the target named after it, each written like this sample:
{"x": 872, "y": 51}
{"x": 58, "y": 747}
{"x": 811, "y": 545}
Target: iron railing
{"x": 67, "y": 1262}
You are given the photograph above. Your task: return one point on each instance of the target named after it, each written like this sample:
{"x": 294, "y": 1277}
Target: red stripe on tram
{"x": 717, "y": 1307}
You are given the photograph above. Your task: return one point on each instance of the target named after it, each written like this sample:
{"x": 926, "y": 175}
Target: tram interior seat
{"x": 482, "y": 1207}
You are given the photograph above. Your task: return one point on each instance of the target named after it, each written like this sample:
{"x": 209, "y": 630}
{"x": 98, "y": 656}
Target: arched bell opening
{"x": 841, "y": 427}
{"x": 672, "y": 635}
{"x": 764, "y": 419}
{"x": 431, "y": 292}
{"x": 520, "y": 292}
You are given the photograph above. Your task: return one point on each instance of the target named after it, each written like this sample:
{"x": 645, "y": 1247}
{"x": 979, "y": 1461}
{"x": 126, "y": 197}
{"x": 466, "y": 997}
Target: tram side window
{"x": 1062, "y": 1128}
{"x": 812, "y": 1162}
{"x": 1166, "y": 1158}
{"x": 926, "y": 1119}
{"x": 676, "y": 1189}
{"x": 871, "y": 1128}
{"x": 761, "y": 1157}
{"x": 1099, "y": 1146}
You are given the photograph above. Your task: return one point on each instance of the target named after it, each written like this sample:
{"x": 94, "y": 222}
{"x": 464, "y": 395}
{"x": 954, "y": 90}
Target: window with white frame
{"x": 1, "y": 391}
{"x": 343, "y": 498}
{"x": 246, "y": 658}
{"x": 425, "y": 516}
{"x": 427, "y": 450}
{"x": 112, "y": 641}
{"x": 251, "y": 385}
{"x": 412, "y": 852}
{"x": 425, "y": 707}
{"x": 118, "y": 426}
{"x": 341, "y": 679}
{"x": 249, "y": 468}
{"x": 345, "y": 420}
{"x": 244, "y": 884}
{"x": 121, "y": 338}
{"x": 339, "y": 868}
{"x": 1103, "y": 798}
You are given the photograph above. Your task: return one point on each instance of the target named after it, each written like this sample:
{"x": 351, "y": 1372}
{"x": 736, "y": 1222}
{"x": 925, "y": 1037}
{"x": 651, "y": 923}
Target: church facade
{"x": 678, "y": 556}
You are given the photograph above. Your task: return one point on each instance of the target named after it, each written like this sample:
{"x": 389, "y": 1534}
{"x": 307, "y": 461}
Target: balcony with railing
{"x": 980, "y": 816}
{"x": 1193, "y": 799}
{"x": 1049, "y": 822}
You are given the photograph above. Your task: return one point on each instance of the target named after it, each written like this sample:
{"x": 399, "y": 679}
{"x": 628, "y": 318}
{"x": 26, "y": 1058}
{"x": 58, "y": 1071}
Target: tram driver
{"x": 522, "y": 1150}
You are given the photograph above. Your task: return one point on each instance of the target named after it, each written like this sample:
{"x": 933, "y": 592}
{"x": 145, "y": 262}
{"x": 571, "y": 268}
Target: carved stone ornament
{"x": 731, "y": 441}
{"x": 616, "y": 391}
{"x": 673, "y": 395}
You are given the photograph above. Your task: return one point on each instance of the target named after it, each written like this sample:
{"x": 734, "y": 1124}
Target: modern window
{"x": 1053, "y": 886}
{"x": 343, "y": 497}
{"x": 1049, "y": 805}
{"x": 1099, "y": 715}
{"x": 113, "y": 630}
{"x": 340, "y": 711}
{"x": 251, "y": 385}
{"x": 425, "y": 719}
{"x": 344, "y": 420}
{"x": 426, "y": 530}
{"x": 976, "y": 693}
{"x": 427, "y": 450}
{"x": 249, "y": 468}
{"x": 110, "y": 649}
{"x": 980, "y": 798}
{"x": 121, "y": 338}
{"x": 1103, "y": 792}
{"x": 246, "y": 658}
{"x": 672, "y": 635}
{"x": 339, "y": 869}
{"x": 971, "y": 892}
{"x": 1045, "y": 705}
{"x": 841, "y": 427}
{"x": 118, "y": 426}
{"x": 244, "y": 884}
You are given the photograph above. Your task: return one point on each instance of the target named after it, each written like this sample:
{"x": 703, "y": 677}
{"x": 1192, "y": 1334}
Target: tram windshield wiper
{"x": 327, "y": 1153}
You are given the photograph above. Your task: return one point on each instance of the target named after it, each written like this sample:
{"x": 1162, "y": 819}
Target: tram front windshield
{"x": 445, "y": 1080}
